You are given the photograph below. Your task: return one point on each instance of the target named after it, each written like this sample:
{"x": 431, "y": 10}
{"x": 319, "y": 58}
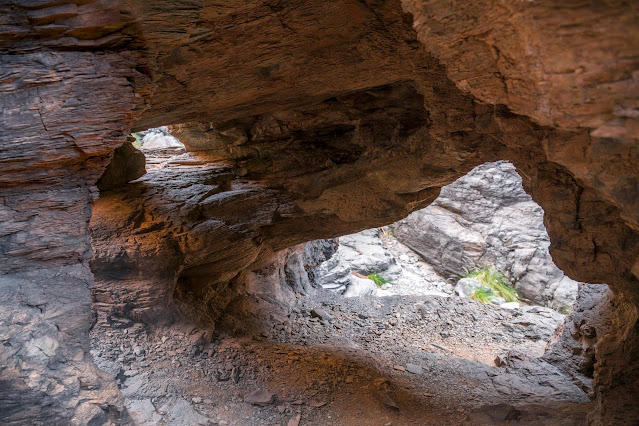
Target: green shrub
{"x": 482, "y": 295}
{"x": 377, "y": 279}
{"x": 496, "y": 282}
{"x": 565, "y": 310}
{"x": 387, "y": 231}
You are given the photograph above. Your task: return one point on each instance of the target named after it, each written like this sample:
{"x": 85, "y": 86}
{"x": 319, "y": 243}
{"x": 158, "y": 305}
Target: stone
{"x": 143, "y": 412}
{"x": 159, "y": 138}
{"x": 509, "y": 305}
{"x": 295, "y": 421}
{"x": 496, "y": 300}
{"x": 534, "y": 322}
{"x": 415, "y": 369}
{"x": 563, "y": 297}
{"x": 487, "y": 219}
{"x": 467, "y": 286}
{"x": 260, "y": 397}
{"x": 179, "y": 412}
{"x": 360, "y": 287}
{"x": 321, "y": 314}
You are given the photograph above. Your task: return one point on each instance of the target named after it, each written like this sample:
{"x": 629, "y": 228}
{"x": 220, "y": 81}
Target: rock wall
{"x": 485, "y": 219}
{"x": 329, "y": 117}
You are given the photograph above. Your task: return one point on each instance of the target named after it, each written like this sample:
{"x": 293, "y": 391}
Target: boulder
{"x": 360, "y": 287}
{"x": 260, "y": 397}
{"x": 160, "y": 138}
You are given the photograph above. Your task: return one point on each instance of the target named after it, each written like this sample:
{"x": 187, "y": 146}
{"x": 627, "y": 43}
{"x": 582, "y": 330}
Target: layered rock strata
{"x": 329, "y": 117}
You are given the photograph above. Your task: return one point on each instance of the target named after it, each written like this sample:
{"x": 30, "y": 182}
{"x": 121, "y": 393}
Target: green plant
{"x": 482, "y": 295}
{"x": 565, "y": 310}
{"x": 138, "y": 140}
{"x": 496, "y": 282}
{"x": 377, "y": 279}
{"x": 387, "y": 231}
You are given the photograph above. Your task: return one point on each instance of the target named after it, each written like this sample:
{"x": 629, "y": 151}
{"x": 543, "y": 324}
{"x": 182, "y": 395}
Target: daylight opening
{"x": 157, "y": 144}
{"x": 475, "y": 265}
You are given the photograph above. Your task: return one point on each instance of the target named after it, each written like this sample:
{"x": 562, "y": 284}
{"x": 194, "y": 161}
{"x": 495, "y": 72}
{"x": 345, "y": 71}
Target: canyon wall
{"x": 304, "y": 120}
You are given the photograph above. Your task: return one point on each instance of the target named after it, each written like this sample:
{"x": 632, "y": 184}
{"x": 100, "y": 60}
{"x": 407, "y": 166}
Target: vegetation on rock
{"x": 378, "y": 279}
{"x": 496, "y": 285}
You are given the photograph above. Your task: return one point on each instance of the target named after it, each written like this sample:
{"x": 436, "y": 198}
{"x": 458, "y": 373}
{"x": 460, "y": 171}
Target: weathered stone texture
{"x": 535, "y": 58}
{"x": 127, "y": 164}
{"x": 329, "y": 117}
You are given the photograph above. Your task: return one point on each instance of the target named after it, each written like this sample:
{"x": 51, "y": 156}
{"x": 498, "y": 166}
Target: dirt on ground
{"x": 329, "y": 360}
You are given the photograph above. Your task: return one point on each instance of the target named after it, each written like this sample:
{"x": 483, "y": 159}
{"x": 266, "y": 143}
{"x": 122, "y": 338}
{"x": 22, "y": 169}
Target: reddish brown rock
{"x": 311, "y": 119}
{"x": 127, "y": 164}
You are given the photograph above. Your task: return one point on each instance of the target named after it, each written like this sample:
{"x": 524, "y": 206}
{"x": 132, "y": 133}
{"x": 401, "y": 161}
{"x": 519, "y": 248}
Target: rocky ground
{"x": 345, "y": 361}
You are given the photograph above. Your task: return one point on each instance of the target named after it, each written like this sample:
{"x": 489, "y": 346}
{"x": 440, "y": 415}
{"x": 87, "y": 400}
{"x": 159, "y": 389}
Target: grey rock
{"x": 486, "y": 218}
{"x": 360, "y": 287}
{"x": 415, "y": 369}
{"x": 321, "y": 314}
{"x": 496, "y": 300}
{"x": 179, "y": 412}
{"x": 467, "y": 286}
{"x": 363, "y": 253}
{"x": 564, "y": 294}
{"x": 143, "y": 412}
{"x": 534, "y": 323}
{"x": 509, "y": 305}
{"x": 260, "y": 397}
{"x": 159, "y": 138}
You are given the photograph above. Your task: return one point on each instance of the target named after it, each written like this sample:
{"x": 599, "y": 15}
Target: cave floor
{"x": 353, "y": 368}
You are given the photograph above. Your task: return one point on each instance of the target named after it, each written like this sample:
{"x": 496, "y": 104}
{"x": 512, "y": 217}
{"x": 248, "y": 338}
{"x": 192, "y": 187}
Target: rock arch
{"x": 321, "y": 118}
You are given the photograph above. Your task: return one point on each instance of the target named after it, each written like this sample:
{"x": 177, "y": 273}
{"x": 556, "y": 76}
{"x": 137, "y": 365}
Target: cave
{"x": 301, "y": 121}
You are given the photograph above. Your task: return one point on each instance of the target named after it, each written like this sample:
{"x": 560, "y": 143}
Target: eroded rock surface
{"x": 482, "y": 220}
{"x": 330, "y": 117}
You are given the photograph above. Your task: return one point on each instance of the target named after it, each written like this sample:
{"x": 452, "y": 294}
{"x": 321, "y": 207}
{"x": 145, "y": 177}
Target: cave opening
{"x": 305, "y": 121}
{"x": 477, "y": 257}
{"x": 391, "y": 320}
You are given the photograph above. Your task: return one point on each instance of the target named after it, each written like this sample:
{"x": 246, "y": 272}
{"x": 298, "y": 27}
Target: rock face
{"x": 486, "y": 219}
{"x": 312, "y": 120}
{"x": 574, "y": 344}
{"x": 362, "y": 253}
{"x": 127, "y": 164}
